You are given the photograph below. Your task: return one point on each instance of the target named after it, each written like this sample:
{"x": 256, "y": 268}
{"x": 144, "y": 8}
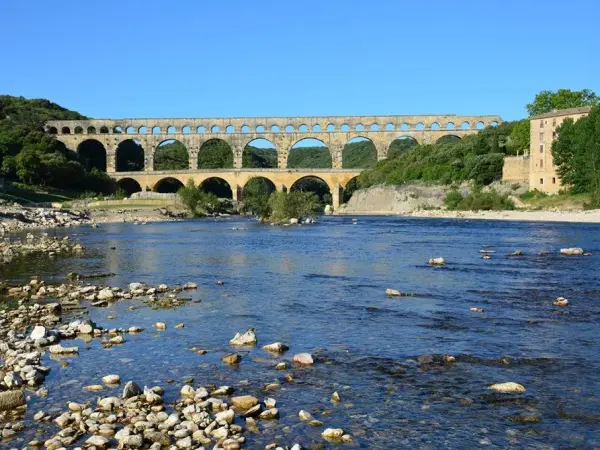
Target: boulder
{"x": 333, "y": 433}
{"x": 136, "y": 286}
{"x": 392, "y": 293}
{"x": 305, "y": 416}
{"x": 38, "y": 332}
{"x": 111, "y": 379}
{"x": 244, "y": 402}
{"x": 561, "y": 301}
{"x": 439, "y": 261}
{"x": 276, "y": 347}
{"x": 246, "y": 339}
{"x": 106, "y": 294}
{"x": 225, "y": 416}
{"x": 60, "y": 350}
{"x": 293, "y": 221}
{"x": 507, "y": 387}
{"x": 269, "y": 414}
{"x": 572, "y": 251}
{"x": 189, "y": 285}
{"x": 11, "y": 399}
{"x": 231, "y": 359}
{"x": 160, "y": 326}
{"x": 304, "y": 359}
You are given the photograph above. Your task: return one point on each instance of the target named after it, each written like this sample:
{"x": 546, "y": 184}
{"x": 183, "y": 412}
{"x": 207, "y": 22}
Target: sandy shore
{"x": 590, "y": 216}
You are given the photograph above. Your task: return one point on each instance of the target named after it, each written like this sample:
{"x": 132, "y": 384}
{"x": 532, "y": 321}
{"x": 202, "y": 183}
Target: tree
{"x": 171, "y": 156}
{"x": 195, "y": 199}
{"x": 519, "y": 138}
{"x": 215, "y": 154}
{"x": 256, "y": 197}
{"x": 546, "y": 101}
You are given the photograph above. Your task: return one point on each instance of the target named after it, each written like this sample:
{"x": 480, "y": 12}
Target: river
{"x": 320, "y": 288}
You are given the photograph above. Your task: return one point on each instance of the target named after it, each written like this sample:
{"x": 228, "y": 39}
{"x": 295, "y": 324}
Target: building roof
{"x": 564, "y": 112}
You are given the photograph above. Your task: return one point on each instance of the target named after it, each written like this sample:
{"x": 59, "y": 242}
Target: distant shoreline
{"x": 590, "y": 216}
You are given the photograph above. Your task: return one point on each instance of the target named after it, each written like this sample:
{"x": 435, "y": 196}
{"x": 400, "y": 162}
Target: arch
{"x": 479, "y": 125}
{"x": 400, "y": 145}
{"x": 143, "y": 129}
{"x": 91, "y": 130}
{"x": 289, "y": 128}
{"x": 92, "y": 154}
{"x": 229, "y": 129}
{"x": 129, "y": 156}
{"x": 155, "y": 130}
{"x": 78, "y": 130}
{"x": 309, "y": 153}
{"x": 303, "y": 128}
{"x": 171, "y": 154}
{"x": 389, "y": 127}
{"x": 275, "y": 129}
{"x": 167, "y": 185}
{"x": 351, "y": 186}
{"x": 316, "y": 128}
{"x": 65, "y": 130}
{"x": 217, "y": 186}
{"x": 330, "y": 128}
{"x": 201, "y": 129}
{"x": 345, "y": 127}
{"x": 404, "y": 127}
{"x": 259, "y": 153}
{"x": 255, "y": 193}
{"x": 117, "y": 130}
{"x": 450, "y": 126}
{"x": 260, "y": 129}
{"x": 215, "y": 154}
{"x": 359, "y": 152}
{"x": 104, "y": 130}
{"x": 52, "y": 130}
{"x": 312, "y": 183}
{"x": 420, "y": 126}
{"x": 465, "y": 125}
{"x": 245, "y": 129}
{"x": 171, "y": 129}
{"x": 359, "y": 127}
{"x": 447, "y": 139}
{"x": 435, "y": 126}
{"x": 186, "y": 129}
{"x": 215, "y": 129}
{"x": 130, "y": 130}
{"x": 129, "y": 185}
{"x": 493, "y": 123}
{"x": 374, "y": 127}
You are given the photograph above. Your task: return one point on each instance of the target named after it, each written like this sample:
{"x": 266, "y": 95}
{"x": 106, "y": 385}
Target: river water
{"x": 320, "y": 288}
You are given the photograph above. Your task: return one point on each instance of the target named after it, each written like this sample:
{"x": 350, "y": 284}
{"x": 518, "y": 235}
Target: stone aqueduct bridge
{"x": 283, "y": 132}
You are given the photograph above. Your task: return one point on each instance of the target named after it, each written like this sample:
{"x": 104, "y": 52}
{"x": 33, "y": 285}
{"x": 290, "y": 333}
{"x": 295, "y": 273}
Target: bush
{"x": 533, "y": 195}
{"x": 196, "y": 200}
{"x": 478, "y": 201}
{"x": 286, "y": 205}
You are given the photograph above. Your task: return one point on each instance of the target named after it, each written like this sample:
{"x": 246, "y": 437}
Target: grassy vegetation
{"x": 540, "y": 200}
{"x": 478, "y": 201}
{"x": 24, "y": 195}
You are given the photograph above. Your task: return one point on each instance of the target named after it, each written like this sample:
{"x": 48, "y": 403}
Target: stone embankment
{"x": 16, "y": 217}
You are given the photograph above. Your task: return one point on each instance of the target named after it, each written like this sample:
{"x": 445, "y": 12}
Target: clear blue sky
{"x": 194, "y": 58}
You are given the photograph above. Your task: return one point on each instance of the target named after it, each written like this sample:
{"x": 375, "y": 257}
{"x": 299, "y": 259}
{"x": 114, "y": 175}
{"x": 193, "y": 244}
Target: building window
{"x": 553, "y": 134}
{"x": 553, "y": 180}
{"x": 541, "y": 124}
{"x": 541, "y": 181}
{"x": 541, "y": 148}
{"x": 541, "y": 137}
{"x": 554, "y": 122}
{"x": 541, "y": 163}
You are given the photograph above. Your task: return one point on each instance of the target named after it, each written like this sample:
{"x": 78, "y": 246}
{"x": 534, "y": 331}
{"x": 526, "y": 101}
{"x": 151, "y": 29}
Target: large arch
{"x": 167, "y": 185}
{"x": 400, "y": 146}
{"x": 309, "y": 153}
{"x": 171, "y": 155}
{"x": 215, "y": 154}
{"x": 312, "y": 183}
{"x": 217, "y": 186}
{"x": 359, "y": 152}
{"x": 351, "y": 186}
{"x": 129, "y": 156}
{"x": 448, "y": 139}
{"x": 129, "y": 185}
{"x": 92, "y": 154}
{"x": 260, "y": 154}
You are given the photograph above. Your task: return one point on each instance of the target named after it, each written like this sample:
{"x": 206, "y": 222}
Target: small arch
{"x": 129, "y": 185}
{"x": 289, "y": 129}
{"x": 359, "y": 152}
{"x": 275, "y": 129}
{"x": 400, "y": 145}
{"x": 143, "y": 129}
{"x": 229, "y": 129}
{"x": 465, "y": 126}
{"x": 257, "y": 187}
{"x": 309, "y": 153}
{"x": 52, "y": 130}
{"x": 493, "y": 123}
{"x": 117, "y": 130}
{"x": 78, "y": 130}
{"x": 168, "y": 185}
{"x": 420, "y": 126}
{"x": 217, "y": 186}
{"x": 404, "y": 127}
{"x": 313, "y": 184}
{"x": 345, "y": 128}
{"x": 92, "y": 154}
{"x": 155, "y": 130}
{"x": 435, "y": 126}
{"x": 66, "y": 130}
{"x": 375, "y": 127}
{"x": 303, "y": 128}
{"x": 130, "y": 130}
{"x": 259, "y": 153}
{"x": 215, "y": 129}
{"x": 201, "y": 130}
{"x": 104, "y": 130}
{"x": 316, "y": 128}
{"x": 245, "y": 129}
{"x": 91, "y": 130}
{"x": 260, "y": 129}
{"x": 359, "y": 127}
{"x": 215, "y": 154}
{"x": 450, "y": 126}
{"x": 330, "y": 128}
{"x": 389, "y": 127}
{"x": 171, "y": 154}
{"x": 171, "y": 129}
{"x": 186, "y": 130}
{"x": 479, "y": 125}
{"x": 129, "y": 156}
{"x": 447, "y": 139}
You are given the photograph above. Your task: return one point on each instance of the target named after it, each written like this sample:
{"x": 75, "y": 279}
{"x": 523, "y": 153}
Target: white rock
{"x": 392, "y": 293}
{"x": 305, "y": 416}
{"x": 135, "y": 286}
{"x": 225, "y": 416}
{"x": 106, "y": 294}
{"x": 561, "y": 301}
{"x": 38, "y": 332}
{"x": 98, "y": 442}
{"x": 240, "y": 340}
{"x": 439, "y": 261}
{"x": 60, "y": 350}
{"x": 111, "y": 379}
{"x": 333, "y": 433}
{"x": 160, "y": 326}
{"x": 572, "y": 251}
{"x": 276, "y": 347}
{"x": 507, "y": 387}
{"x": 305, "y": 359}
{"x": 293, "y": 221}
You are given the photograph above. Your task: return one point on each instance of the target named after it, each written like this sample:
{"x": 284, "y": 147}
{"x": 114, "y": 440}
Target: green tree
{"x": 215, "y": 154}
{"x": 309, "y": 158}
{"x": 256, "y": 196}
{"x": 520, "y": 135}
{"x": 171, "y": 156}
{"x": 287, "y": 205}
{"x": 260, "y": 158}
{"x": 546, "y": 101}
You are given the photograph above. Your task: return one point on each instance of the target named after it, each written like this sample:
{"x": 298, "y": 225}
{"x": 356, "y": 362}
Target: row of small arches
{"x": 262, "y": 129}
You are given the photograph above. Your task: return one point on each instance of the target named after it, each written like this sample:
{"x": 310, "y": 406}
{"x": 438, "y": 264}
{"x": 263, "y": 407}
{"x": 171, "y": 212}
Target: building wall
{"x": 516, "y": 168}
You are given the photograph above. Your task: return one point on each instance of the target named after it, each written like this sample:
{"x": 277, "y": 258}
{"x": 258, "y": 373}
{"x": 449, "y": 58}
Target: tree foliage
{"x": 259, "y": 158}
{"x": 215, "y": 154}
{"x": 295, "y": 204}
{"x": 309, "y": 158}
{"x": 130, "y": 156}
{"x": 478, "y": 200}
{"x": 171, "y": 156}
{"x": 196, "y": 201}
{"x": 547, "y": 101}
{"x": 256, "y": 196}
{"x": 359, "y": 154}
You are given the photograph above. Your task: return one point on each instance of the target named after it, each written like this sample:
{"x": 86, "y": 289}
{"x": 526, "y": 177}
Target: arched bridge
{"x": 284, "y": 133}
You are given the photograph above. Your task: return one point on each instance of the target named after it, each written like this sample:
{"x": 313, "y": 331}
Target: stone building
{"x": 537, "y": 166}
